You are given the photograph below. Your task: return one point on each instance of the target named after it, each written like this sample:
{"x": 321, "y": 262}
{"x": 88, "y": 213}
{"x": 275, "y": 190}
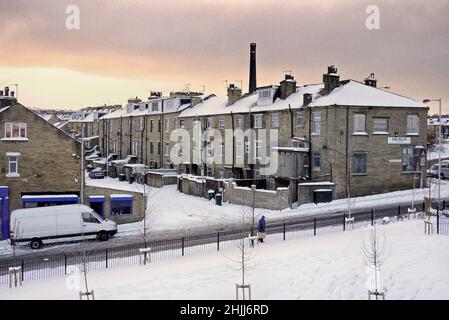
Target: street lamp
{"x": 439, "y": 147}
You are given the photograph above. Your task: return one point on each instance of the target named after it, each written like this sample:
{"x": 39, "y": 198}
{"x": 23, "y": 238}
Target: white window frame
{"x": 356, "y": 118}
{"x": 221, "y": 150}
{"x": 16, "y": 173}
{"x": 258, "y": 121}
{"x": 209, "y": 123}
{"x": 238, "y": 149}
{"x": 411, "y": 131}
{"x": 265, "y": 94}
{"x": 167, "y": 149}
{"x": 221, "y": 123}
{"x": 246, "y": 149}
{"x": 299, "y": 115}
{"x": 181, "y": 123}
{"x": 316, "y": 130}
{"x": 167, "y": 125}
{"x": 314, "y": 168}
{"x": 238, "y": 122}
{"x": 275, "y": 120}
{"x": 380, "y": 131}
{"x": 11, "y": 125}
{"x": 258, "y": 144}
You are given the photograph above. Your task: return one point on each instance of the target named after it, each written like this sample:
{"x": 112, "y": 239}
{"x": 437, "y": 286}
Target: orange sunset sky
{"x": 127, "y": 48}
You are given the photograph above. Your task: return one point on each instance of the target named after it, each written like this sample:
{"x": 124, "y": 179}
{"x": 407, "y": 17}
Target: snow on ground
{"x": 444, "y": 152}
{"x": 111, "y": 183}
{"x": 329, "y": 266}
{"x": 193, "y": 212}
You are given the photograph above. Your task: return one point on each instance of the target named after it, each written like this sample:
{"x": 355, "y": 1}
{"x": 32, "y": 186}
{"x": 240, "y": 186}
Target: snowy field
{"x": 444, "y": 151}
{"x": 329, "y": 266}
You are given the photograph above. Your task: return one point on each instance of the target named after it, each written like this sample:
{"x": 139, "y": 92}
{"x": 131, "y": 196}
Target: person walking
{"x": 261, "y": 229}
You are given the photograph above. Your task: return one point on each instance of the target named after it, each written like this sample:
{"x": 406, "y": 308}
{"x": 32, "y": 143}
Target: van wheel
{"x": 36, "y": 244}
{"x": 102, "y": 236}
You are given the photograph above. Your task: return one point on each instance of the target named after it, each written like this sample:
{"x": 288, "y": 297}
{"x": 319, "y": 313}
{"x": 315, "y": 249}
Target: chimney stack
{"x": 331, "y": 79}
{"x": 371, "y": 81}
{"x": 234, "y": 94}
{"x": 252, "y": 69}
{"x": 287, "y": 86}
{"x": 6, "y": 91}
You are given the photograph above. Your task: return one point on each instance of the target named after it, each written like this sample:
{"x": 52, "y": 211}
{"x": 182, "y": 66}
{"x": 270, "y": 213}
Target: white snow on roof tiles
{"x": 355, "y": 93}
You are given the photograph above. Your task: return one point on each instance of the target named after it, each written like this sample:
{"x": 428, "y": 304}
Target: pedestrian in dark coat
{"x": 261, "y": 228}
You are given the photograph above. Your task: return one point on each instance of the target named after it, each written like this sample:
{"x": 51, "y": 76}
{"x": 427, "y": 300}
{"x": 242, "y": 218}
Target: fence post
{"x": 444, "y": 204}
{"x": 372, "y": 217}
{"x": 106, "y": 258}
{"x": 218, "y": 241}
{"x": 438, "y": 221}
{"x": 23, "y": 270}
{"x": 314, "y": 226}
{"x": 344, "y": 222}
{"x": 65, "y": 264}
{"x": 399, "y": 210}
{"x": 284, "y": 231}
{"x": 182, "y": 244}
{"x": 423, "y": 206}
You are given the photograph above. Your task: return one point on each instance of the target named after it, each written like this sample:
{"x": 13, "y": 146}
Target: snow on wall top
{"x": 354, "y": 93}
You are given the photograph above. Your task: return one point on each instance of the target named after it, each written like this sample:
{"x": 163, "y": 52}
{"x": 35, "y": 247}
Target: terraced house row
{"x": 346, "y": 134}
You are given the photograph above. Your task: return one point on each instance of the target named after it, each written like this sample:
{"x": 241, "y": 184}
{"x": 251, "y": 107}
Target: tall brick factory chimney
{"x": 252, "y": 69}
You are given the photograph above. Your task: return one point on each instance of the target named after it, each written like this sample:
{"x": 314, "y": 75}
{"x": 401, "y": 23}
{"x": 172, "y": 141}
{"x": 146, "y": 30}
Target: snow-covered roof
{"x": 354, "y": 93}
{"x": 436, "y": 122}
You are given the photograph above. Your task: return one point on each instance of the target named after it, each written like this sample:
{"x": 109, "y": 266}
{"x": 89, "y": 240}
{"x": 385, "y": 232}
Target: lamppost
{"x": 439, "y": 147}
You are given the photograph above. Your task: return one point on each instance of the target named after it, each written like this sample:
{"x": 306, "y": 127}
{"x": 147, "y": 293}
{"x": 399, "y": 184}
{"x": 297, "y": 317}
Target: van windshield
{"x": 96, "y": 215}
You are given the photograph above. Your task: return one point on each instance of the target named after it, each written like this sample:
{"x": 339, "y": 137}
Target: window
{"x": 221, "y": 149}
{"x": 167, "y": 148}
{"x": 359, "y": 123}
{"x": 181, "y": 124}
{"x": 296, "y": 143}
{"x": 265, "y": 94}
{"x": 159, "y": 148}
{"x": 410, "y": 159}
{"x": 121, "y": 207}
{"x": 169, "y": 104}
{"x": 155, "y": 106}
{"x": 238, "y": 123}
{"x": 151, "y": 148}
{"x": 380, "y": 125}
{"x": 359, "y": 163}
{"x": 258, "y": 149}
{"x": 159, "y": 125}
{"x": 299, "y": 119}
{"x": 221, "y": 123}
{"x": 15, "y": 130}
{"x": 316, "y": 160}
{"x": 275, "y": 120}
{"x": 13, "y": 165}
{"x": 151, "y": 125}
{"x": 167, "y": 125}
{"x": 141, "y": 123}
{"x": 412, "y": 124}
{"x": 135, "y": 146}
{"x": 209, "y": 123}
{"x": 238, "y": 149}
{"x": 316, "y": 123}
{"x": 258, "y": 121}
{"x": 89, "y": 218}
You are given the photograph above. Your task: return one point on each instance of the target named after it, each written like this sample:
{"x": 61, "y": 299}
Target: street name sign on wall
{"x": 399, "y": 140}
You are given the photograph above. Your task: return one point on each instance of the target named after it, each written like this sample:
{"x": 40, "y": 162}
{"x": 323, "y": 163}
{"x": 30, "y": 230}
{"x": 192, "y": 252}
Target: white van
{"x": 67, "y": 221}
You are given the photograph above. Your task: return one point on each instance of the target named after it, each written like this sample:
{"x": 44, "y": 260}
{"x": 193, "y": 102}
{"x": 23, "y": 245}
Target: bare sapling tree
{"x": 349, "y": 201}
{"x": 149, "y": 221}
{"x": 243, "y": 262}
{"x": 375, "y": 251}
{"x": 84, "y": 268}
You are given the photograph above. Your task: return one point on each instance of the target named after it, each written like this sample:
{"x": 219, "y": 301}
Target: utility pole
{"x": 82, "y": 164}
